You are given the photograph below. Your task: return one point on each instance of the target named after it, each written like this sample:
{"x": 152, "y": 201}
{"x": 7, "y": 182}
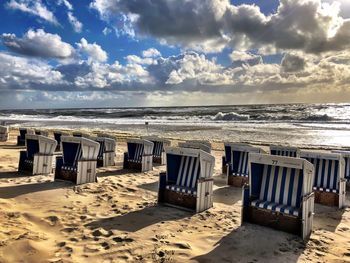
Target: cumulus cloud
{"x": 151, "y": 53}
{"x": 39, "y": 44}
{"x": 76, "y": 24}
{"x": 211, "y": 25}
{"x": 66, "y": 3}
{"x": 33, "y": 7}
{"x": 94, "y": 51}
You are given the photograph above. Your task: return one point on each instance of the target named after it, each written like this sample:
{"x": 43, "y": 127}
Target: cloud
{"x": 76, "y": 24}
{"x": 38, "y": 44}
{"x": 106, "y": 31}
{"x": 33, "y": 7}
{"x": 211, "y": 25}
{"x": 66, "y": 3}
{"x": 292, "y": 63}
{"x": 94, "y": 51}
{"x": 151, "y": 53}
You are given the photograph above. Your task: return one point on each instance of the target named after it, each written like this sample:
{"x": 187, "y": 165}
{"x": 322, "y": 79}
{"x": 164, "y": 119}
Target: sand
{"x": 117, "y": 219}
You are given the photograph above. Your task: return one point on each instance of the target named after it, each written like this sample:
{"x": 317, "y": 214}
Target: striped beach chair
{"x": 139, "y": 156}
{"x": 237, "y": 167}
{"x": 288, "y": 151}
{"x": 187, "y": 182}
{"x": 57, "y": 135}
{"x": 346, "y": 156}
{"x": 21, "y": 138}
{"x": 279, "y": 194}
{"x": 159, "y": 155}
{"x": 202, "y": 145}
{"x": 4, "y": 133}
{"x": 226, "y": 158}
{"x": 106, "y": 153}
{"x": 78, "y": 161}
{"x": 38, "y": 156}
{"x": 329, "y": 183}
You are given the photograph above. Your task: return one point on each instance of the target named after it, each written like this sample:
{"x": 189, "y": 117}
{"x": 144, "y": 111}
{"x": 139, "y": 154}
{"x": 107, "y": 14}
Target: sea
{"x": 322, "y": 126}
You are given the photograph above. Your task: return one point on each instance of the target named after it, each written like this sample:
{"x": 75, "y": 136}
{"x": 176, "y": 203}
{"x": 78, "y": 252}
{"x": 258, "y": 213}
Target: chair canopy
{"x": 346, "y": 156}
{"x": 39, "y": 144}
{"x": 278, "y": 183}
{"x": 284, "y": 151}
{"x": 185, "y": 166}
{"x": 78, "y": 148}
{"x": 239, "y": 157}
{"x": 204, "y": 146}
{"x": 329, "y": 169}
{"x": 159, "y": 144}
{"x": 139, "y": 147}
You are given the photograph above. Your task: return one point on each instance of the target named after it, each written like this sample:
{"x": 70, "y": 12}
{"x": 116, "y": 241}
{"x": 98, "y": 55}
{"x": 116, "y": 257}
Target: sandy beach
{"x": 117, "y": 219}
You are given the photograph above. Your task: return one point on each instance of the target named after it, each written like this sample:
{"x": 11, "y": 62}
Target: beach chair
{"x": 139, "y": 156}
{"x": 57, "y": 135}
{"x": 38, "y": 156}
{"x": 41, "y": 132}
{"x": 21, "y": 138}
{"x": 237, "y": 167}
{"x": 4, "y": 133}
{"x": 106, "y": 153}
{"x": 284, "y": 151}
{"x": 159, "y": 155}
{"x": 187, "y": 182}
{"x": 78, "y": 162}
{"x": 329, "y": 183}
{"x": 202, "y": 145}
{"x": 226, "y": 158}
{"x": 279, "y": 194}
{"x": 346, "y": 156}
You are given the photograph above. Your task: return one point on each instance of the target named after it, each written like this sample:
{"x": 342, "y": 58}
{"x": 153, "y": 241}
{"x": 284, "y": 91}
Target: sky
{"x": 130, "y": 53}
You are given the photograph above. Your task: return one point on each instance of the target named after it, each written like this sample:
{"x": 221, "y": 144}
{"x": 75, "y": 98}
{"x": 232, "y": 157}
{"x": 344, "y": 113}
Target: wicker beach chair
{"x": 329, "y": 183}
{"x": 106, "y": 153}
{"x": 284, "y": 151}
{"x": 139, "y": 156}
{"x": 4, "y": 133}
{"x": 237, "y": 166}
{"x": 346, "y": 156}
{"x": 37, "y": 158}
{"x": 159, "y": 155}
{"x": 187, "y": 182}
{"x": 279, "y": 194}
{"x": 79, "y": 160}
{"x": 41, "y": 132}
{"x": 21, "y": 138}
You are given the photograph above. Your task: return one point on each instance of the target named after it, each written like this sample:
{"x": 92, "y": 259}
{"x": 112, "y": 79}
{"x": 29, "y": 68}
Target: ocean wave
{"x": 230, "y": 116}
{"x": 317, "y": 117}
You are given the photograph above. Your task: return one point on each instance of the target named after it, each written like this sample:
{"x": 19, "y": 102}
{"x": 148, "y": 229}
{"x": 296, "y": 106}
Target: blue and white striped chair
{"x": 4, "y": 133}
{"x": 106, "y": 153}
{"x": 279, "y": 194}
{"x": 187, "y": 182}
{"x": 226, "y": 158}
{"x": 139, "y": 156}
{"x": 329, "y": 183}
{"x": 202, "y": 145}
{"x": 78, "y": 163}
{"x": 57, "y": 135}
{"x": 37, "y": 158}
{"x": 41, "y": 132}
{"x": 288, "y": 151}
{"x": 159, "y": 155}
{"x": 346, "y": 156}
{"x": 237, "y": 167}
{"x": 21, "y": 138}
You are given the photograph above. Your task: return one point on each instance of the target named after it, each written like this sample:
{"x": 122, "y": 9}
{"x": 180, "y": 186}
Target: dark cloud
{"x": 292, "y": 63}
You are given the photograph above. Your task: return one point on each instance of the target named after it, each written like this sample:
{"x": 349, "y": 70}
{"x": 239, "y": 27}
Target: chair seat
{"x": 289, "y": 210}
{"x": 69, "y": 168}
{"x": 182, "y": 189}
{"x": 240, "y": 174}
{"x": 321, "y": 189}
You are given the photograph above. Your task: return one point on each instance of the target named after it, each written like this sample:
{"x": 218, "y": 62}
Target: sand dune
{"x": 117, "y": 219}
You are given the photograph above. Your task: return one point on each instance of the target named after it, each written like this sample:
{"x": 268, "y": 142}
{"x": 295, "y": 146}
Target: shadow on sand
{"x": 13, "y": 174}
{"x": 117, "y": 172}
{"x": 227, "y": 195}
{"x": 136, "y": 220}
{"x": 17, "y": 190}
{"x": 150, "y": 186}
{"x": 252, "y": 243}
